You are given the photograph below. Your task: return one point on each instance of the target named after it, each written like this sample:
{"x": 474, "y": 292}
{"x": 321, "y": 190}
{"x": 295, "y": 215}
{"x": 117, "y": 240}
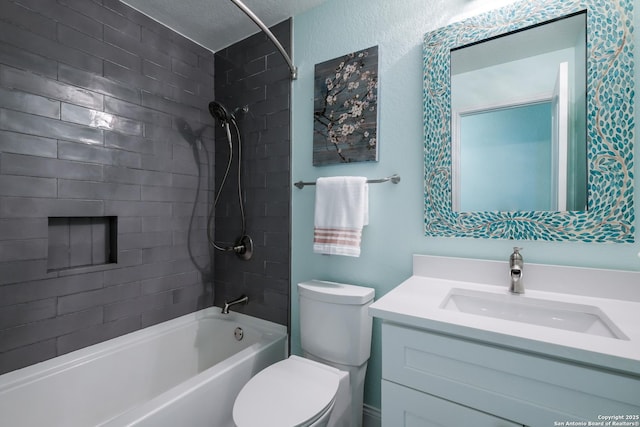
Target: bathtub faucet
{"x": 241, "y": 300}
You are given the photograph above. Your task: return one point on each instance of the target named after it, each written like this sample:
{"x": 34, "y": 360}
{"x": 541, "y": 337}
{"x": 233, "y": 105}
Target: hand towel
{"x": 342, "y": 209}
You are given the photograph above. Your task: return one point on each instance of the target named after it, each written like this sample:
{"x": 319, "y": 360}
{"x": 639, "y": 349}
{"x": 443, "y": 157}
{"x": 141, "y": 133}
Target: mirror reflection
{"x": 518, "y": 120}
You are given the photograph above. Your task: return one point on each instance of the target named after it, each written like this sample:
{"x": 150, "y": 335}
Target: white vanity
{"x": 460, "y": 350}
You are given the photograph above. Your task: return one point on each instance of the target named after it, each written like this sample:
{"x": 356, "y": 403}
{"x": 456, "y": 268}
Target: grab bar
{"x": 395, "y": 178}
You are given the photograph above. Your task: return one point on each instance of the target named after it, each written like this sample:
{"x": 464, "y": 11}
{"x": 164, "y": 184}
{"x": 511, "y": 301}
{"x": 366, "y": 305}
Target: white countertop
{"x": 417, "y": 303}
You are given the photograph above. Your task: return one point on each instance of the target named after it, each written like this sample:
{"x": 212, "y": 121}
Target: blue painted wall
{"x": 505, "y": 159}
{"x": 395, "y": 230}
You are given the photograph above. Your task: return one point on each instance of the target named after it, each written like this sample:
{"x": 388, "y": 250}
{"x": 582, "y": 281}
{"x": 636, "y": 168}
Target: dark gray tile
{"x": 27, "y": 355}
{"x": 187, "y": 181}
{"x": 134, "y": 45}
{"x": 98, "y": 151}
{"x": 12, "y": 142}
{"x": 136, "y": 176}
{"x": 104, "y": 15}
{"x": 134, "y": 143}
{"x": 64, "y": 15}
{"x": 162, "y": 314}
{"x": 136, "y": 306}
{"x": 188, "y": 294}
{"x": 129, "y": 225}
{"x": 190, "y": 71}
{"x": 21, "y": 207}
{"x": 145, "y": 240}
{"x": 98, "y": 119}
{"x": 125, "y": 76}
{"x": 26, "y": 18}
{"x": 101, "y": 241}
{"x": 21, "y": 271}
{"x": 21, "y": 58}
{"x": 22, "y": 250}
{"x": 99, "y": 84}
{"x": 157, "y": 163}
{"x": 147, "y": 271}
{"x": 156, "y": 72}
{"x": 49, "y": 288}
{"x": 48, "y": 48}
{"x": 153, "y": 37}
{"x": 37, "y": 125}
{"x": 72, "y": 189}
{"x": 23, "y": 228}
{"x": 80, "y": 242}
{"x": 46, "y": 329}
{"x": 167, "y": 283}
{"x": 164, "y": 137}
{"x": 158, "y": 254}
{"x": 90, "y": 45}
{"x": 92, "y": 154}
{"x": 26, "y": 186}
{"x": 134, "y": 208}
{"x": 162, "y": 104}
{"x": 136, "y": 112}
{"x": 98, "y": 297}
{"x": 167, "y": 194}
{"x": 58, "y": 244}
{"x": 130, "y": 13}
{"x": 97, "y": 333}
{"x": 20, "y": 314}
{"x": 17, "y": 164}
{"x": 28, "y": 103}
{"x": 33, "y": 83}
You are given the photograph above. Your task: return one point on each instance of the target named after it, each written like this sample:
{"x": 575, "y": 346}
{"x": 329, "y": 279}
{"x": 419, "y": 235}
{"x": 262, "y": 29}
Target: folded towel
{"x": 342, "y": 209}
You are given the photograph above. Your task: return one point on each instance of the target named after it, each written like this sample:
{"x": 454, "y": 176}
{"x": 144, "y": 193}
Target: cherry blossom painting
{"x": 346, "y": 109}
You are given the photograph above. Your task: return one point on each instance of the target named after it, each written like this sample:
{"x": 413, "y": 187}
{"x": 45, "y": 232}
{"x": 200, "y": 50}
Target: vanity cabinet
{"x": 404, "y": 406}
{"x": 434, "y": 379}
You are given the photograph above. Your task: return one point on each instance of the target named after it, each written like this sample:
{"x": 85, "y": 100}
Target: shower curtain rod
{"x": 259, "y": 23}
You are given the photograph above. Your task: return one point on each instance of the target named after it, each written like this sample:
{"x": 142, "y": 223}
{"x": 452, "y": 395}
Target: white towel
{"x": 342, "y": 209}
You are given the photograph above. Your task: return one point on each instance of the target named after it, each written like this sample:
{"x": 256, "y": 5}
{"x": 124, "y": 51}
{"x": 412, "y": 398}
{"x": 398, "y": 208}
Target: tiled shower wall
{"x": 253, "y": 74}
{"x": 100, "y": 112}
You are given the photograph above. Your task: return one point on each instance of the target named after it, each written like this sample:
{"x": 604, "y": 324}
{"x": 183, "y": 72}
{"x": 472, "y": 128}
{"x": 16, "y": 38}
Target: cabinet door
{"x": 406, "y": 407}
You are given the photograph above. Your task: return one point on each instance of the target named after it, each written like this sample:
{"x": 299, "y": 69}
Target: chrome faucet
{"x": 516, "y": 267}
{"x": 240, "y": 300}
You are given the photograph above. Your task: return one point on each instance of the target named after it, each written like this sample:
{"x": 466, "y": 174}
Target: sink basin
{"x": 582, "y": 318}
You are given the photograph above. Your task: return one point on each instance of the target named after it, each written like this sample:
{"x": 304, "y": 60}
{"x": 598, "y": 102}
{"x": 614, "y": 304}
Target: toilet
{"x": 325, "y": 387}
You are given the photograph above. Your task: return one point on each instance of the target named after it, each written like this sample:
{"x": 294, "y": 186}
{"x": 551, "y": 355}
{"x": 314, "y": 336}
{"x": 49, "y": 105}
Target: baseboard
{"x": 371, "y": 416}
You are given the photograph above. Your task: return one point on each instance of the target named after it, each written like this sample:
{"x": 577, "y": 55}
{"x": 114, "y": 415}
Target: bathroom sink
{"x": 582, "y": 318}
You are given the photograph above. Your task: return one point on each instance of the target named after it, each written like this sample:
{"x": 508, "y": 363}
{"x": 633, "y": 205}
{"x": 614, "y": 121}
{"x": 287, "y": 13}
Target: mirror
{"x": 592, "y": 200}
{"x": 518, "y": 112}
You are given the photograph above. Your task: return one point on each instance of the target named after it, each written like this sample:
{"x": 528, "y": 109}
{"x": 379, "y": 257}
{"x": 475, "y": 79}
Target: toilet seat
{"x": 291, "y": 393}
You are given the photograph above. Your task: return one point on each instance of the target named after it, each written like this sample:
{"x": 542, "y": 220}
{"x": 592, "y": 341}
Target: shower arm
{"x": 259, "y": 23}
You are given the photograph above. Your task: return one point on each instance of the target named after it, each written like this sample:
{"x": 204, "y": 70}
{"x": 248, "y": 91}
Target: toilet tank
{"x": 334, "y": 321}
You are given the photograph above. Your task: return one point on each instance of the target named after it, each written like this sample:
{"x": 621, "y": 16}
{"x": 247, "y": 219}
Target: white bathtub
{"x": 184, "y": 372}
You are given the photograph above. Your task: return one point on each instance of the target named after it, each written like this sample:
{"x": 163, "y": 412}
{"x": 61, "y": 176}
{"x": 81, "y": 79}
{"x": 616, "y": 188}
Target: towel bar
{"x": 395, "y": 178}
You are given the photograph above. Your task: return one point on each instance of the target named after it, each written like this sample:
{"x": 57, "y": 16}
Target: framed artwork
{"x": 345, "y": 125}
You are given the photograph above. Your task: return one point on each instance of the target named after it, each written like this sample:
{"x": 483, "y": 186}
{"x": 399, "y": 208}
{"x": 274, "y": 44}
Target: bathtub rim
{"x": 149, "y": 408}
{"x": 58, "y": 364}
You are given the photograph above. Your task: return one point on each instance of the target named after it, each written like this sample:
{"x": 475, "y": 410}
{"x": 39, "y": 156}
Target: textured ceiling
{"x": 216, "y": 24}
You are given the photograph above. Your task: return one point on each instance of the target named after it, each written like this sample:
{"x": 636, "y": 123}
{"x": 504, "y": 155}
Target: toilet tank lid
{"x": 338, "y": 293}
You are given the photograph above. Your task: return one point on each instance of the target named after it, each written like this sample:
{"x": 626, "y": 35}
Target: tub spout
{"x": 241, "y": 300}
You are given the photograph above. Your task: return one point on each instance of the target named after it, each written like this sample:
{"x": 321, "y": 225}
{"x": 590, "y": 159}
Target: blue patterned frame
{"x": 610, "y": 127}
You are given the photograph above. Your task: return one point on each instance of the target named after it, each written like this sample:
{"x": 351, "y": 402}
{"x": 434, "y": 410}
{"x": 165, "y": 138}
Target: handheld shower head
{"x": 220, "y": 113}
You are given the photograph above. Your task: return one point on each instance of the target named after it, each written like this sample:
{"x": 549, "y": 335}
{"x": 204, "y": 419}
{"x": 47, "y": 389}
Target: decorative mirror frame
{"x": 610, "y": 124}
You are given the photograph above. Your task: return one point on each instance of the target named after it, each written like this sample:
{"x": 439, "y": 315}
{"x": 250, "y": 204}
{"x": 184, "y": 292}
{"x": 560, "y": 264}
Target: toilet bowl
{"x": 295, "y": 392}
{"x": 325, "y": 387}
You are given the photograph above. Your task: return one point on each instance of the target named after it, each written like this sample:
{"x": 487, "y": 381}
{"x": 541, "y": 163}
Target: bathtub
{"x": 183, "y": 372}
